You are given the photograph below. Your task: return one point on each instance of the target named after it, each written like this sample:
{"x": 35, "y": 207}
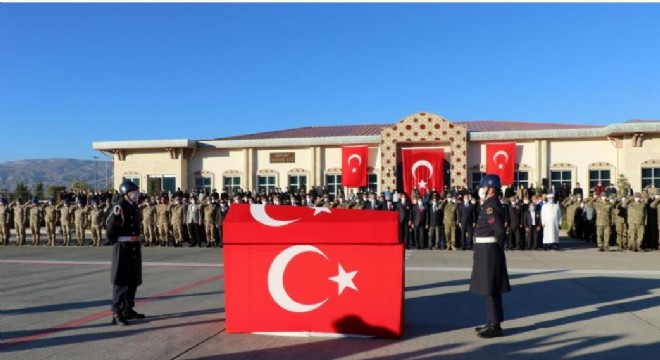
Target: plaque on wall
{"x": 282, "y": 157}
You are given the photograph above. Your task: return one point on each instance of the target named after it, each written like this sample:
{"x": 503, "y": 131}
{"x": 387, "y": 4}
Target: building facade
{"x": 312, "y": 156}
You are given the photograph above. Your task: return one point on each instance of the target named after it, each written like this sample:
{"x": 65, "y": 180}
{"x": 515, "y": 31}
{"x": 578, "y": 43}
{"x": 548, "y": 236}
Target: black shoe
{"x": 490, "y": 332}
{"x": 119, "y": 319}
{"x": 131, "y": 314}
{"x": 209, "y": 245}
{"x": 481, "y": 328}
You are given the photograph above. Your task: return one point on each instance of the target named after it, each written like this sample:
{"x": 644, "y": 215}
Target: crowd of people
{"x": 442, "y": 220}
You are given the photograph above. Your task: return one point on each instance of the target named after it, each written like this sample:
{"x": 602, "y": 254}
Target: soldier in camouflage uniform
{"x": 450, "y": 221}
{"x": 20, "y": 219}
{"x": 4, "y": 222}
{"x": 34, "y": 214}
{"x": 80, "y": 221}
{"x": 620, "y": 216}
{"x": 148, "y": 212}
{"x": 163, "y": 222}
{"x": 177, "y": 214}
{"x": 97, "y": 216}
{"x": 656, "y": 205}
{"x": 571, "y": 206}
{"x": 65, "y": 221}
{"x": 50, "y": 218}
{"x": 636, "y": 210}
{"x": 603, "y": 209}
{"x": 208, "y": 212}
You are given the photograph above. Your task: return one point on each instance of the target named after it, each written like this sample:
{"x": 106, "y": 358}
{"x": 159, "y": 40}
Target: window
{"x": 203, "y": 183}
{"x": 333, "y": 183}
{"x": 232, "y": 184}
{"x": 266, "y": 183}
{"x": 599, "y": 175}
{"x": 160, "y": 184}
{"x": 297, "y": 182}
{"x": 135, "y": 180}
{"x": 520, "y": 178}
{"x": 650, "y": 176}
{"x": 560, "y": 176}
{"x": 372, "y": 184}
{"x": 476, "y": 179}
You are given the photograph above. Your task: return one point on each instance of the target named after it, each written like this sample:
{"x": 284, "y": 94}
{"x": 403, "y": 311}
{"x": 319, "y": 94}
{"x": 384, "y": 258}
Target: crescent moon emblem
{"x": 354, "y": 156}
{"x": 258, "y": 212}
{"x": 424, "y": 163}
{"x": 503, "y": 153}
{"x": 276, "y": 279}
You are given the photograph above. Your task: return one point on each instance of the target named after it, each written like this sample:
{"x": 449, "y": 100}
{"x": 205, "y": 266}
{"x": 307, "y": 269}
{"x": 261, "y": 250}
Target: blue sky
{"x": 72, "y": 74}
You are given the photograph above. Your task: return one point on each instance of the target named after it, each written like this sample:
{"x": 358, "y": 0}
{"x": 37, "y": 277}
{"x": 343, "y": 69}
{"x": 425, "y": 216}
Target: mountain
{"x": 53, "y": 172}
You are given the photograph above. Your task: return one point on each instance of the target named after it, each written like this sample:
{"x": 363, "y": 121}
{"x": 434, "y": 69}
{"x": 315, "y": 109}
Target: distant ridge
{"x": 53, "y": 172}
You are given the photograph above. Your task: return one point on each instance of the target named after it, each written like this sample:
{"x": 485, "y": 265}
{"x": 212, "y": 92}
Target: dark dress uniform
{"x": 490, "y": 277}
{"x": 123, "y": 231}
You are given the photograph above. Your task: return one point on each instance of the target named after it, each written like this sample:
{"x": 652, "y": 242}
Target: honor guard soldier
{"x": 80, "y": 221}
{"x": 490, "y": 277}
{"x": 65, "y": 221}
{"x": 50, "y": 218}
{"x": 20, "y": 218}
{"x": 123, "y": 231}
{"x": 35, "y": 215}
{"x": 4, "y": 222}
{"x": 96, "y": 216}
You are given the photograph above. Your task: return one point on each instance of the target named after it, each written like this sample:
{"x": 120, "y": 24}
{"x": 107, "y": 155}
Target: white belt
{"x": 128, "y": 238}
{"x": 485, "y": 240}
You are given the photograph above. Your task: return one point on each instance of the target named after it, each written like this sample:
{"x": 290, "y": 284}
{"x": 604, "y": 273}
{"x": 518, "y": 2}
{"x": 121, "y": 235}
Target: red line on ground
{"x": 73, "y": 323}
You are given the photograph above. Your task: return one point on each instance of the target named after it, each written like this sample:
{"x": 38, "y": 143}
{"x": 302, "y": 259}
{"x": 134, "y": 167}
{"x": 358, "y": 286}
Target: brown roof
{"x": 374, "y": 129}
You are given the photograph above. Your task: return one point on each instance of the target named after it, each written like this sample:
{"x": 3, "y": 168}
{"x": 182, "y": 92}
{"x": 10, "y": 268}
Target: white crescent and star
{"x": 276, "y": 279}
{"x": 258, "y": 212}
{"x": 354, "y": 156}
{"x": 500, "y": 165}
{"x": 422, "y": 184}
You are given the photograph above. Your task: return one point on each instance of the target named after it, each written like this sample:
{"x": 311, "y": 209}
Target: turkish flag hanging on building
{"x": 282, "y": 275}
{"x": 354, "y": 161}
{"x": 500, "y": 160}
{"x": 422, "y": 169}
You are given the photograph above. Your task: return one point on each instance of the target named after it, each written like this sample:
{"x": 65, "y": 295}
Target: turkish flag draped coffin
{"x": 312, "y": 279}
{"x": 354, "y": 165}
{"x": 422, "y": 169}
{"x": 500, "y": 160}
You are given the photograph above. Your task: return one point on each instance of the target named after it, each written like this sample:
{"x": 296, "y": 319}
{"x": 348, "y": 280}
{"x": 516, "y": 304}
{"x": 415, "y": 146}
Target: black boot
{"x": 491, "y": 331}
{"x": 481, "y": 328}
{"x": 131, "y": 314}
{"x": 119, "y": 319}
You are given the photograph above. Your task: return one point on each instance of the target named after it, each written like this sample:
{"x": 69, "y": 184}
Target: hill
{"x": 53, "y": 172}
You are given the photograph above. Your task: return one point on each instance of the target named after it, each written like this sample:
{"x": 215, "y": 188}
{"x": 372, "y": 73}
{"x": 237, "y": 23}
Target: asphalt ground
{"x": 574, "y": 303}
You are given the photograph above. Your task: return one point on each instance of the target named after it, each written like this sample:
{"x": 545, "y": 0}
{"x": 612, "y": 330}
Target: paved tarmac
{"x": 575, "y": 303}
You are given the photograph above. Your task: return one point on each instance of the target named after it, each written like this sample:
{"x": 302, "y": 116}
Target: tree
{"x": 622, "y": 184}
{"x": 21, "y": 191}
{"x": 54, "y": 191}
{"x": 79, "y": 185}
{"x": 39, "y": 190}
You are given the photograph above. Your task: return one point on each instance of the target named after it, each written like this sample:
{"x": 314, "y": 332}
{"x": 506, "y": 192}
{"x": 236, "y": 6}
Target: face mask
{"x": 134, "y": 196}
{"x": 604, "y": 198}
{"x": 525, "y": 202}
{"x": 638, "y": 199}
{"x": 473, "y": 201}
{"x": 276, "y": 203}
{"x": 482, "y": 194}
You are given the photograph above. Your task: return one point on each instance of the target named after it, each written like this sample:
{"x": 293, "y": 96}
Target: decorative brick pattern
{"x": 423, "y": 129}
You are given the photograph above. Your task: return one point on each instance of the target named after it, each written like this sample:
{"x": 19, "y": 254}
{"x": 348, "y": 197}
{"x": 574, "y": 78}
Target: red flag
{"x": 303, "y": 273}
{"x": 500, "y": 160}
{"x": 354, "y": 165}
{"x": 283, "y": 224}
{"x": 422, "y": 169}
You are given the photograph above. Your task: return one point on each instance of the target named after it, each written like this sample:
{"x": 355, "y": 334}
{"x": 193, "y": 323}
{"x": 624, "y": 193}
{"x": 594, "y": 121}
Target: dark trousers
{"x": 403, "y": 233}
{"x": 123, "y": 298}
{"x": 532, "y": 238}
{"x": 466, "y": 235}
{"x": 193, "y": 235}
{"x": 515, "y": 238}
{"x": 494, "y": 309}
{"x": 419, "y": 236}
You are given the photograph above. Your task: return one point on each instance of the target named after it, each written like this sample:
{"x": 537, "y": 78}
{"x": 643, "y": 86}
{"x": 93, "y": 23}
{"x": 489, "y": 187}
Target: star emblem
{"x": 500, "y": 166}
{"x": 318, "y": 210}
{"x": 422, "y": 184}
{"x": 354, "y": 170}
{"x": 344, "y": 279}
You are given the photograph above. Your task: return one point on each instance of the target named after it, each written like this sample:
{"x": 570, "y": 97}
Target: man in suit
{"x": 466, "y": 221}
{"x": 531, "y": 221}
{"x": 515, "y": 225}
{"x": 194, "y": 221}
{"x": 372, "y": 204}
{"x": 418, "y": 219}
{"x": 403, "y": 207}
{"x": 434, "y": 218}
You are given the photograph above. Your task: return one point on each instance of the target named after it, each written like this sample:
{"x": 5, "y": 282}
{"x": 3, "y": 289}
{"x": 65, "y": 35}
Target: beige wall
{"x": 148, "y": 163}
{"x": 631, "y": 158}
